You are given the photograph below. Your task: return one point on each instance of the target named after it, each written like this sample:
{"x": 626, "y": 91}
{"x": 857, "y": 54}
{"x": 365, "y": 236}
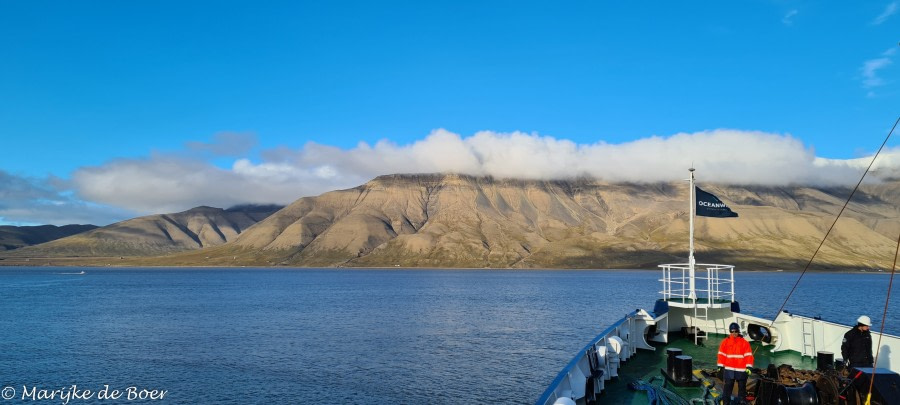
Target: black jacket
{"x": 857, "y": 348}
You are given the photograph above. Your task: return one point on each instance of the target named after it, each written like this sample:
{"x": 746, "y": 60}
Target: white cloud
{"x": 126, "y": 188}
{"x": 870, "y": 69}
{"x": 788, "y": 18}
{"x": 168, "y": 184}
{"x": 890, "y": 10}
{"x": 31, "y": 201}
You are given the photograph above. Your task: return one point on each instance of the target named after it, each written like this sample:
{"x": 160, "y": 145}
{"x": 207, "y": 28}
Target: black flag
{"x": 709, "y": 205}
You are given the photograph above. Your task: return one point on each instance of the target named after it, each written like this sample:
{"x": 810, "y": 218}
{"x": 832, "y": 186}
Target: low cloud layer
{"x": 164, "y": 184}
{"x": 31, "y": 201}
{"x": 179, "y": 181}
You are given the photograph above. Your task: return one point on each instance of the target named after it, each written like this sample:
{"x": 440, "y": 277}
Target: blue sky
{"x": 113, "y": 109}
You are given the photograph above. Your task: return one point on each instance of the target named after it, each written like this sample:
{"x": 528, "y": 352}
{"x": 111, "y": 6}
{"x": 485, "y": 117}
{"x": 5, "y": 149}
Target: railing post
{"x": 714, "y": 282}
{"x": 732, "y": 283}
{"x": 666, "y": 286}
{"x": 667, "y": 271}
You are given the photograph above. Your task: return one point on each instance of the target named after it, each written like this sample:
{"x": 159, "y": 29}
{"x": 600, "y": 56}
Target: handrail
{"x": 566, "y": 370}
{"x": 711, "y": 286}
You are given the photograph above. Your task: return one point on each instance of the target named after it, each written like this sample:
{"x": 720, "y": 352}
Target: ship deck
{"x": 645, "y": 365}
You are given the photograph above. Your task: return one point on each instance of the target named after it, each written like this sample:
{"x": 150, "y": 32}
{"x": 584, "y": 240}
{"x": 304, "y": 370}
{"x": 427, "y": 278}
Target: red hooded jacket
{"x": 735, "y": 354}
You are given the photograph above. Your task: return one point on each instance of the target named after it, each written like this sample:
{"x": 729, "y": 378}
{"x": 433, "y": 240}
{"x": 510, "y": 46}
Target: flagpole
{"x": 693, "y": 293}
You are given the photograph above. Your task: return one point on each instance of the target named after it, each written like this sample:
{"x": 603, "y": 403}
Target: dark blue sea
{"x": 238, "y": 336}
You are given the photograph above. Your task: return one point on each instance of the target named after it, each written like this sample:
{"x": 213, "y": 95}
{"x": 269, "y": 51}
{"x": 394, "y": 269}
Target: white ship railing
{"x": 712, "y": 282}
{"x": 584, "y": 378}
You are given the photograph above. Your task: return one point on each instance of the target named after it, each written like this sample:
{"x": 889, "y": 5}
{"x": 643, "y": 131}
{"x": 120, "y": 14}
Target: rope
{"x": 657, "y": 395}
{"x": 883, "y": 319}
{"x": 893, "y": 269}
{"x": 835, "y": 221}
{"x": 849, "y": 198}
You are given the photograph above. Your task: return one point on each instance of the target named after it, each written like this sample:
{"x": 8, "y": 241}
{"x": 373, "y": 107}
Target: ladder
{"x": 808, "y": 337}
{"x": 701, "y": 313}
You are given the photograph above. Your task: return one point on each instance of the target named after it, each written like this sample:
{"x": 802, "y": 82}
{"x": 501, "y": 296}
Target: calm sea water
{"x": 237, "y": 336}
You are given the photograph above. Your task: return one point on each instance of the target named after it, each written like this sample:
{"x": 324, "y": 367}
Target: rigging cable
{"x": 893, "y": 269}
{"x": 835, "y": 220}
{"x": 883, "y": 319}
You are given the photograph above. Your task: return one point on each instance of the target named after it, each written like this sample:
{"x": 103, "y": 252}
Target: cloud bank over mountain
{"x": 177, "y": 181}
{"x": 32, "y": 201}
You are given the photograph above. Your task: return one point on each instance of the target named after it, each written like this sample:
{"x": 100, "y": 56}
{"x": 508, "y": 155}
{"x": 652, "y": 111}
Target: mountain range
{"x": 14, "y": 237}
{"x": 196, "y": 228}
{"x": 449, "y": 220}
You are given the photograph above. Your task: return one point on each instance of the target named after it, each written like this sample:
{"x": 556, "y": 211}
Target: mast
{"x": 693, "y": 292}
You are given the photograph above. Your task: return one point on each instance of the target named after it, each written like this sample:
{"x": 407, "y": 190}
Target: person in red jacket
{"x": 735, "y": 360}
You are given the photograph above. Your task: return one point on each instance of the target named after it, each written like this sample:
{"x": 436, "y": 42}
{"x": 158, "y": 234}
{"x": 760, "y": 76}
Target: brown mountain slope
{"x": 155, "y": 234}
{"x": 14, "y": 237}
{"x": 461, "y": 221}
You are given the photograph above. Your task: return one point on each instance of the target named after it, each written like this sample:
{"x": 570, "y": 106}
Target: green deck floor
{"x": 646, "y": 364}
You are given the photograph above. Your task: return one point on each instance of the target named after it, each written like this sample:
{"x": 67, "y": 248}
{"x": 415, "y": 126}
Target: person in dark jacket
{"x": 856, "y": 348}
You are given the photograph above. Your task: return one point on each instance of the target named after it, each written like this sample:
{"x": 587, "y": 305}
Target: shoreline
{"x": 81, "y": 262}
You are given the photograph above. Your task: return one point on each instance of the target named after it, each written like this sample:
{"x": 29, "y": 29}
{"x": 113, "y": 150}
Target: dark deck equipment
{"x": 885, "y": 391}
{"x": 824, "y": 361}
{"x": 680, "y": 369}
